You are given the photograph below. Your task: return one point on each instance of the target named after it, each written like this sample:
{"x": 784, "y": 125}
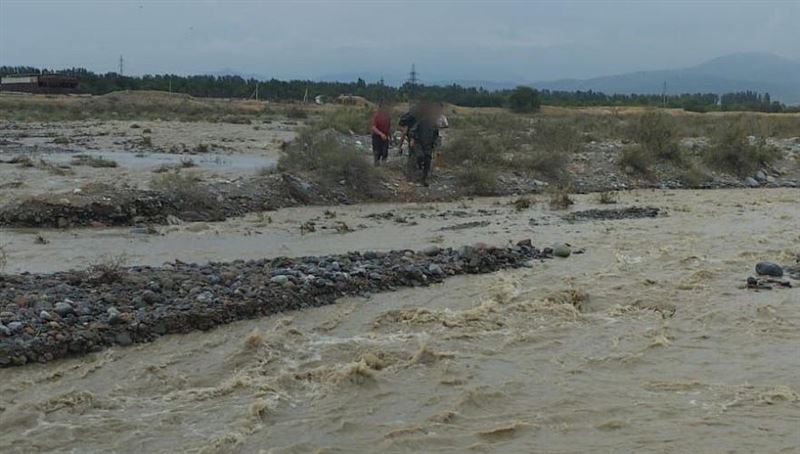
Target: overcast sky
{"x": 453, "y": 40}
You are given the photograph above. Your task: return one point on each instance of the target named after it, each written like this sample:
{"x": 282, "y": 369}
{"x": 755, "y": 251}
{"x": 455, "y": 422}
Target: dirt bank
{"x": 44, "y": 188}
{"x": 177, "y": 200}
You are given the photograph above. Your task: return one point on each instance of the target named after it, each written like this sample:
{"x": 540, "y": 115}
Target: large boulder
{"x": 769, "y": 269}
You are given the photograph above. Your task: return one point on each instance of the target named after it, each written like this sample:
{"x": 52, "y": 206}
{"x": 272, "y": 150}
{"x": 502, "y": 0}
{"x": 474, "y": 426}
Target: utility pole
{"x": 120, "y": 65}
{"x": 412, "y": 76}
{"x": 664, "y": 95}
{"x": 256, "y": 90}
{"x": 413, "y": 79}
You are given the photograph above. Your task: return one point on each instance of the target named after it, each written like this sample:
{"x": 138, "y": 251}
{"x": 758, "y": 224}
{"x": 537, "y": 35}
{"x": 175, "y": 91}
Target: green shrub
{"x": 347, "y": 121}
{"x": 732, "y": 150}
{"x": 524, "y": 100}
{"x": 775, "y": 125}
{"x": 597, "y": 127}
{"x": 107, "y": 269}
{"x": 296, "y": 113}
{"x": 186, "y": 191}
{"x": 548, "y": 164}
{"x": 656, "y": 132}
{"x": 472, "y": 149}
{"x": 693, "y": 176}
{"x": 560, "y": 199}
{"x": 635, "y": 159}
{"x": 556, "y": 136}
{"x": 324, "y": 155}
{"x": 477, "y": 180}
{"x": 607, "y": 198}
{"x": 493, "y": 123}
{"x": 505, "y": 142}
{"x": 522, "y": 203}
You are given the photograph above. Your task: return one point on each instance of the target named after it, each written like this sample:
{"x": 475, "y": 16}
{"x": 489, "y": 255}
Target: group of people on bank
{"x": 419, "y": 127}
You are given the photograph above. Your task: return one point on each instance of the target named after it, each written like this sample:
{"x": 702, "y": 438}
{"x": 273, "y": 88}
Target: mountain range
{"x": 754, "y": 71}
{"x": 761, "y": 72}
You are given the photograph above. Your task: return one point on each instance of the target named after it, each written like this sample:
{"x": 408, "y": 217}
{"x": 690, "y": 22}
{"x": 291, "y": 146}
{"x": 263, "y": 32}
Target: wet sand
{"x": 647, "y": 342}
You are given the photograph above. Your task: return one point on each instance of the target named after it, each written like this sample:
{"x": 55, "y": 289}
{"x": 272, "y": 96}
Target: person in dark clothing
{"x": 381, "y": 132}
{"x": 406, "y": 122}
{"x": 424, "y": 136}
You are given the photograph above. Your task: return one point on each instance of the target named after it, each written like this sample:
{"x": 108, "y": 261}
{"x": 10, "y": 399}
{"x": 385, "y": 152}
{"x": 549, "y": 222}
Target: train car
{"x": 39, "y": 83}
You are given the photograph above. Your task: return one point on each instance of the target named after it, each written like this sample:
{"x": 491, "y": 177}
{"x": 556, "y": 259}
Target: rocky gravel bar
{"x": 50, "y": 316}
{"x": 613, "y": 214}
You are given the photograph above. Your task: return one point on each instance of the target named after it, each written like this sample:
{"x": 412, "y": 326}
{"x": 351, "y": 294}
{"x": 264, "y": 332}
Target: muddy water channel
{"x": 646, "y": 342}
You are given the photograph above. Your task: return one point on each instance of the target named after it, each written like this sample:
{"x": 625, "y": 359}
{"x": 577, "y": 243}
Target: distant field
{"x": 137, "y": 105}
{"x": 178, "y": 106}
{"x": 590, "y": 123}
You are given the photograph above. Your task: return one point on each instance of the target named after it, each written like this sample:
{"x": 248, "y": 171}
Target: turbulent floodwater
{"x": 647, "y": 342}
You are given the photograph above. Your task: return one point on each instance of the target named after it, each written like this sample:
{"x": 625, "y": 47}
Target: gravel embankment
{"x": 50, "y": 316}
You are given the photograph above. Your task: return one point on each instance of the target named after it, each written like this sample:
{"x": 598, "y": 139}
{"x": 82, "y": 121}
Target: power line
{"x": 413, "y": 75}
{"x": 413, "y": 80}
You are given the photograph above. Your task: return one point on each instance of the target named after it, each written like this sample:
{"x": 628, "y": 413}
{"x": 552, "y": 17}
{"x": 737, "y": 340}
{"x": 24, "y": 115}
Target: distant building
{"x": 39, "y": 83}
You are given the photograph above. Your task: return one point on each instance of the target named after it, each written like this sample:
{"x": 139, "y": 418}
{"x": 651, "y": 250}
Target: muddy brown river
{"x": 646, "y": 342}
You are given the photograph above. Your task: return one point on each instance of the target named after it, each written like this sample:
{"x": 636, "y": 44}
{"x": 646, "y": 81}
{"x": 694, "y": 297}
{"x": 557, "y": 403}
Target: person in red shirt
{"x": 381, "y": 132}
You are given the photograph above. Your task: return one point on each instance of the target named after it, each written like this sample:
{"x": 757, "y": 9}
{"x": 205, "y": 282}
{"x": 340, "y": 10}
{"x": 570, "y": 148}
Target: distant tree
{"x": 524, "y": 100}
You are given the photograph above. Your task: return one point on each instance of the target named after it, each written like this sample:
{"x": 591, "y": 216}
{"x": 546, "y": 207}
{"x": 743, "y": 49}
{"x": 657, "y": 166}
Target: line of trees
{"x": 296, "y": 90}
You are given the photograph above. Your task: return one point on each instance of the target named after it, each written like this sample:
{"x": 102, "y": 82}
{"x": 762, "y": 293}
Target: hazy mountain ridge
{"x": 761, "y": 72}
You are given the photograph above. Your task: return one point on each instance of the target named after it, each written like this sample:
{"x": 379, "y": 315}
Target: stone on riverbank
{"x": 769, "y": 269}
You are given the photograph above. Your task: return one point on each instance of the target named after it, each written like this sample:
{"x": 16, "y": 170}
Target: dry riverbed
{"x": 138, "y": 148}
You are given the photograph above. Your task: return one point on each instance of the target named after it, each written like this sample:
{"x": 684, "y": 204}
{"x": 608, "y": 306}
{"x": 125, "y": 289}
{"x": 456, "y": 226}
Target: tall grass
{"x": 656, "y": 132}
{"x": 322, "y": 154}
{"x": 346, "y": 121}
{"x": 473, "y": 149}
{"x": 186, "y": 191}
{"x": 636, "y": 159}
{"x": 513, "y": 143}
{"x": 479, "y": 181}
{"x": 734, "y": 151}
{"x": 144, "y": 105}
